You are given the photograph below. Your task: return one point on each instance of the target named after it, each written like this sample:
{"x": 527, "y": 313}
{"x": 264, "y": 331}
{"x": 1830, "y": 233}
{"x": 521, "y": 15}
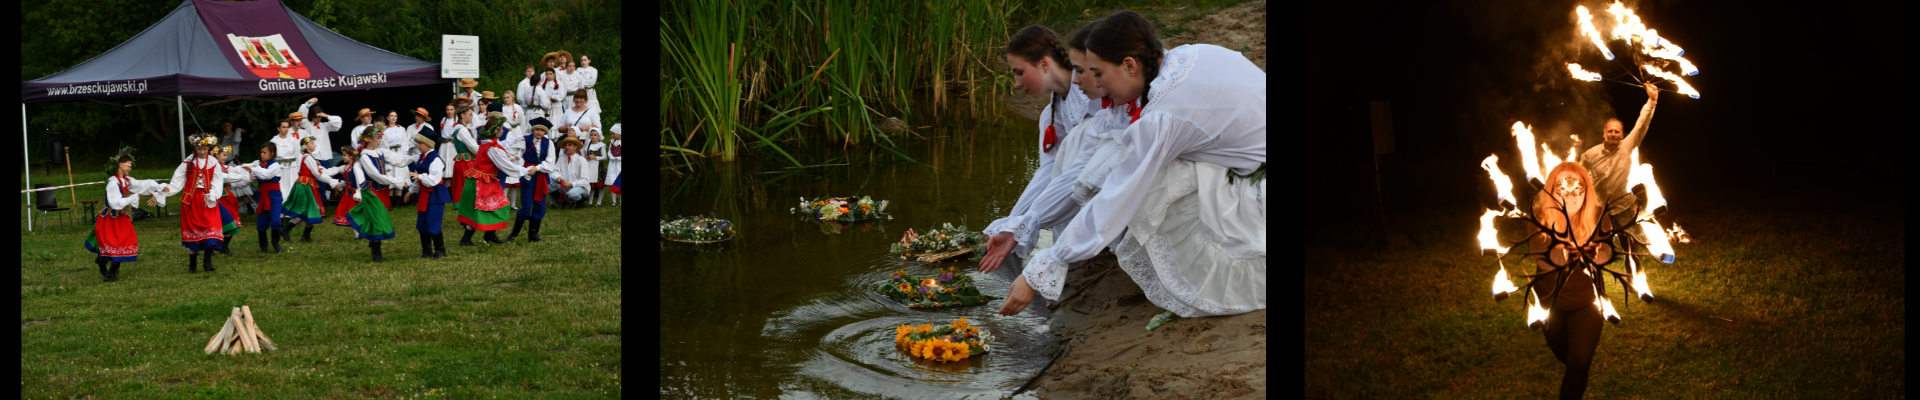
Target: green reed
{"x": 774, "y": 75}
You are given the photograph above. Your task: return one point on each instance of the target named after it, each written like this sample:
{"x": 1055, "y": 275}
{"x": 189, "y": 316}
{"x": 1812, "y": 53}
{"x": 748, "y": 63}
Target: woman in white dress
{"x": 1203, "y": 116}
{"x": 588, "y": 76}
{"x": 1041, "y": 67}
{"x": 397, "y": 143}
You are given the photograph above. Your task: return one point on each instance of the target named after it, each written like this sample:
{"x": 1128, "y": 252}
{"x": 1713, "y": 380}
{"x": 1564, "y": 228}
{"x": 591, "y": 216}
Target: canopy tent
{"x": 242, "y": 50}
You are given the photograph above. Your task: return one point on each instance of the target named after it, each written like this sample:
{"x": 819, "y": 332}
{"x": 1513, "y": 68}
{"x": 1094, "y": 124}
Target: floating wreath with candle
{"x": 944, "y": 243}
{"x": 948, "y": 289}
{"x": 952, "y": 342}
{"x": 697, "y": 229}
{"x": 842, "y": 209}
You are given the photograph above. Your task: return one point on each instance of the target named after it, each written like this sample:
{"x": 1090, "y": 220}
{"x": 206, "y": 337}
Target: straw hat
{"x": 363, "y": 113}
{"x": 549, "y": 57}
{"x": 468, "y": 82}
{"x": 295, "y": 115}
{"x": 570, "y": 141}
{"x": 488, "y": 95}
{"x": 564, "y": 55}
{"x": 422, "y": 112}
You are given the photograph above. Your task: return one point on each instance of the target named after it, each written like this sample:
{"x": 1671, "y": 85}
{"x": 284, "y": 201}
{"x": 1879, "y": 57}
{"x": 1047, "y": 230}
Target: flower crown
{"x": 113, "y": 163}
{"x": 203, "y": 139}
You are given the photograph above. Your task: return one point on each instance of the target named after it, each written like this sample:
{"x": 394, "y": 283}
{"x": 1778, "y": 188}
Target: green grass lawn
{"x": 1780, "y": 299}
{"x": 525, "y": 320}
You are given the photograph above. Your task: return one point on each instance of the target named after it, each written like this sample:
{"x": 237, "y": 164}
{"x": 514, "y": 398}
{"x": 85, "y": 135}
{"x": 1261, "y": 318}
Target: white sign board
{"x": 459, "y": 56}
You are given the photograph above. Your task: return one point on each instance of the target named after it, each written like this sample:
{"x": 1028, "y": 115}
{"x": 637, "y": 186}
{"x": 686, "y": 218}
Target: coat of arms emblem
{"x": 269, "y": 57}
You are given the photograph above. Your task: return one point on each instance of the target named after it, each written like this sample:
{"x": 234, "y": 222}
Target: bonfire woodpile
{"x": 240, "y": 334}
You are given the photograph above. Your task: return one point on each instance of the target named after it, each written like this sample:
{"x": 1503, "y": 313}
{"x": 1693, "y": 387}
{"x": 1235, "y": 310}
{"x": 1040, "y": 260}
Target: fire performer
{"x": 1609, "y": 163}
{"x": 200, "y": 180}
{"x": 113, "y": 238}
{"x": 1573, "y": 325}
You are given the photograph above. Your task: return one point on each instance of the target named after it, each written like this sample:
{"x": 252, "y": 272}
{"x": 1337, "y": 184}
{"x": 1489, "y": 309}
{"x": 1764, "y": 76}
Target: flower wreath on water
{"x": 947, "y": 289}
{"x": 953, "y": 342}
{"x": 697, "y": 229}
{"x": 939, "y": 244}
{"x": 843, "y": 209}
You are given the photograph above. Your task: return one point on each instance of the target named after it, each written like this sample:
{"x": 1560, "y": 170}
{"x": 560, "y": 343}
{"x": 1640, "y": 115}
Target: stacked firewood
{"x": 239, "y": 334}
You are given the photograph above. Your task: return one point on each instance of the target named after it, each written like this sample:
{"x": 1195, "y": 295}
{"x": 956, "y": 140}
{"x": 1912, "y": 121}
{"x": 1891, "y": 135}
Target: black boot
{"x": 307, "y": 235}
{"x": 467, "y": 240}
{"x": 276, "y": 239}
{"x": 102, "y": 262}
{"x": 516, "y": 229}
{"x": 376, "y": 251}
{"x": 114, "y": 274}
{"x": 226, "y": 246}
{"x": 426, "y": 245}
{"x": 208, "y": 261}
{"x": 493, "y": 237}
{"x": 193, "y": 262}
{"x": 439, "y": 245}
{"x": 263, "y": 242}
{"x": 533, "y": 235}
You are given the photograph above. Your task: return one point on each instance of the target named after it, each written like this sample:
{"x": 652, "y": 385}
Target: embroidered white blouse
{"x": 137, "y": 186}
{"x": 179, "y": 182}
{"x": 1208, "y": 104}
{"x": 1072, "y": 112}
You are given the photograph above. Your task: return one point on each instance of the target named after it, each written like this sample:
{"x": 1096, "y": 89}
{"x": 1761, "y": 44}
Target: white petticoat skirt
{"x": 1197, "y": 246}
{"x": 593, "y": 99}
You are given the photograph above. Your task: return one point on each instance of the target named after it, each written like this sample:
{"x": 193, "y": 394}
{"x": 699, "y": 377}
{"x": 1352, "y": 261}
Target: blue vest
{"x": 370, "y": 184}
{"x": 534, "y": 152}
{"x": 268, "y": 164}
{"x": 440, "y": 194}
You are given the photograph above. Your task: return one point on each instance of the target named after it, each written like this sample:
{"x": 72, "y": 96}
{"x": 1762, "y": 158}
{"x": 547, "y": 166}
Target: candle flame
{"x": 1524, "y": 136}
{"x": 1587, "y": 29}
{"x": 1583, "y": 74}
{"x": 1500, "y": 282}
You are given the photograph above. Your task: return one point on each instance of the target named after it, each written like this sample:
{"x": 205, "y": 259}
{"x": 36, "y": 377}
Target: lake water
{"x": 787, "y": 309}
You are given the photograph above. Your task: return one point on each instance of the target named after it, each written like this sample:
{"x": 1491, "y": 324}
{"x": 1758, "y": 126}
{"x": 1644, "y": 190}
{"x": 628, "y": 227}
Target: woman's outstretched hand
{"x": 1017, "y": 297}
{"x": 997, "y": 248}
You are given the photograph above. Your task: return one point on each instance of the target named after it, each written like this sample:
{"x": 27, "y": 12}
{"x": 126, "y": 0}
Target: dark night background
{"x": 1817, "y": 87}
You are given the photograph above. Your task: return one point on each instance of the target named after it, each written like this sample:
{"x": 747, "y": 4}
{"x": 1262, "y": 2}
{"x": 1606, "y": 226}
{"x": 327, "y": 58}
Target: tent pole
{"x": 182, "y": 114}
{"x": 28, "y": 168}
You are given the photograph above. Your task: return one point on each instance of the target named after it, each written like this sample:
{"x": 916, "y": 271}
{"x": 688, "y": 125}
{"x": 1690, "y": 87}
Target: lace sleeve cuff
{"x": 1014, "y": 224}
{"x": 1046, "y": 274}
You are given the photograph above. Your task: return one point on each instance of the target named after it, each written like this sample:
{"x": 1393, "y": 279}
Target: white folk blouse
{"x": 1208, "y": 104}
{"x": 1072, "y": 112}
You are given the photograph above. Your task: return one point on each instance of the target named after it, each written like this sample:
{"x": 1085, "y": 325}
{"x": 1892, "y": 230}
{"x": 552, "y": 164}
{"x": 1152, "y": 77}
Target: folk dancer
{"x": 483, "y": 203}
{"x": 113, "y": 239}
{"x": 198, "y": 179}
{"x": 424, "y": 172}
{"x": 539, "y": 162}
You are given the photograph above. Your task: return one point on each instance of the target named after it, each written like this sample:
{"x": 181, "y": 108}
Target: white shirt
{"x": 431, "y": 178}
{"x": 322, "y": 132}
{"x": 1070, "y": 115}
{"x": 553, "y": 97}
{"x": 516, "y": 116}
{"x": 524, "y": 93}
{"x": 396, "y": 141}
{"x": 599, "y": 152}
{"x": 504, "y": 161}
{"x": 179, "y": 182}
{"x": 1209, "y": 105}
{"x": 137, "y": 186}
{"x": 587, "y": 76}
{"x": 318, "y": 175}
{"x": 581, "y": 120}
{"x": 286, "y": 150}
{"x": 575, "y": 170}
{"x": 366, "y": 171}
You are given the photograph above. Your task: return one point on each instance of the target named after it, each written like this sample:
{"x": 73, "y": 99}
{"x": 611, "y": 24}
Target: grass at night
{"x": 1812, "y": 295}
{"x": 523, "y": 320}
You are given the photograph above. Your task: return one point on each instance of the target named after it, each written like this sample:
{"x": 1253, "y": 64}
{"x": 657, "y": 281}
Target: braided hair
{"x": 1127, "y": 34}
{"x": 1036, "y": 42}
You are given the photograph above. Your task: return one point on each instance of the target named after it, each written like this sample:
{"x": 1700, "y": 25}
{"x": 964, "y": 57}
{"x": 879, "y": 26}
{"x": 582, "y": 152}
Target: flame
{"x": 1502, "y": 182}
{"x": 1500, "y": 282}
{"x": 1586, "y": 29}
{"x": 1643, "y": 173}
{"x": 1627, "y": 26}
{"x": 1606, "y": 306}
{"x": 1657, "y": 242}
{"x": 1524, "y": 136}
{"x": 1546, "y": 156}
{"x": 1573, "y": 149}
{"x": 1640, "y": 284}
{"x": 1534, "y": 312}
{"x": 1680, "y": 234}
{"x": 1680, "y": 85}
{"x": 1582, "y": 74}
{"x": 1490, "y": 238}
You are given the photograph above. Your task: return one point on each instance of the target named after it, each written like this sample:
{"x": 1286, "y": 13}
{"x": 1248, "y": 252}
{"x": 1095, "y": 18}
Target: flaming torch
{"x": 1524, "y": 136}
{"x": 1606, "y": 307}
{"x": 1582, "y": 74}
{"x": 1586, "y": 29}
{"x": 1502, "y": 287}
{"x": 1500, "y": 182}
{"x": 1682, "y": 85}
